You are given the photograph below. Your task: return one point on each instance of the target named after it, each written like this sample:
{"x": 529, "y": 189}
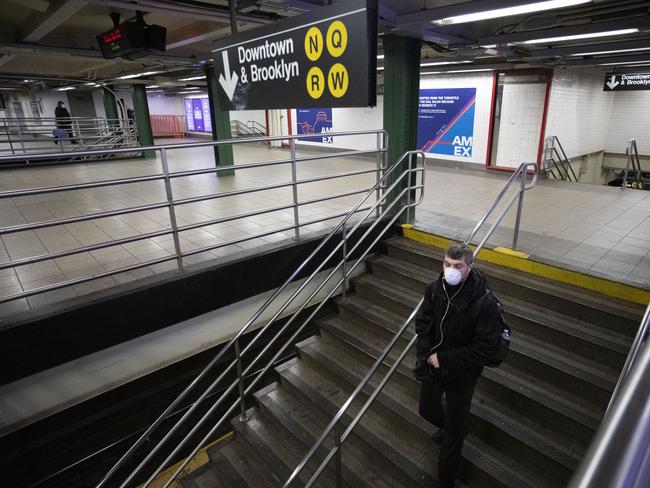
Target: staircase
{"x": 531, "y": 421}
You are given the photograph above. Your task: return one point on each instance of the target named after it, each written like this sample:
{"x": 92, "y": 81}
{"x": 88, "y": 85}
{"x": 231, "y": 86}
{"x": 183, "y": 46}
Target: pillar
{"x": 401, "y": 95}
{"x": 110, "y": 105}
{"x": 223, "y": 155}
{"x": 142, "y": 119}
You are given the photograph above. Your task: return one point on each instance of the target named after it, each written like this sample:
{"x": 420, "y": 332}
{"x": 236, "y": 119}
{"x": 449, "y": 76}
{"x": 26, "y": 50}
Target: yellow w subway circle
{"x": 338, "y": 80}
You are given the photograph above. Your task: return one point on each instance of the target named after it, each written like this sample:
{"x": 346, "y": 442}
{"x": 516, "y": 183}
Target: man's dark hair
{"x": 59, "y": 102}
{"x": 460, "y": 251}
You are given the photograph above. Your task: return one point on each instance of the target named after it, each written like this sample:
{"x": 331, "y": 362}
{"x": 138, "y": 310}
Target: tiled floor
{"x": 29, "y": 209}
{"x": 602, "y": 230}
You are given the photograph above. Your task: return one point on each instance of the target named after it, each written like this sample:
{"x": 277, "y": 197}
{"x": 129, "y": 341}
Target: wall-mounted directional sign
{"x": 326, "y": 58}
{"x": 628, "y": 81}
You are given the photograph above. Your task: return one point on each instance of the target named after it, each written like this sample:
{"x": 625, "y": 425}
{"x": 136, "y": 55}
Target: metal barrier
{"x": 171, "y": 203}
{"x": 335, "y": 423}
{"x": 28, "y": 136}
{"x": 556, "y": 160}
{"x": 168, "y": 125}
{"x": 619, "y": 455}
{"x": 402, "y": 173}
{"x": 632, "y": 153}
{"x": 249, "y": 129}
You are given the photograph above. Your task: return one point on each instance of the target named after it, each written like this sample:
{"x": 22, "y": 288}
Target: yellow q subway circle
{"x": 315, "y": 82}
{"x": 337, "y": 38}
{"x": 314, "y": 44}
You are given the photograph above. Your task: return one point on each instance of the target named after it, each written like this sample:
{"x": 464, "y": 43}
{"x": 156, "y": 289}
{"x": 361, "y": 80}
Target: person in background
{"x": 63, "y": 120}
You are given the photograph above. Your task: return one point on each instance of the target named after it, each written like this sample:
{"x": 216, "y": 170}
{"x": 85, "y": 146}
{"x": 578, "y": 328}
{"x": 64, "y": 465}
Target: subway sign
{"x": 327, "y": 58}
{"x": 628, "y": 81}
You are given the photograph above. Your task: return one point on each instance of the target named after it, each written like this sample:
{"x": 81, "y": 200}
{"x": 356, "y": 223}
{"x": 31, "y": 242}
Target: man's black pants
{"x": 452, "y": 420}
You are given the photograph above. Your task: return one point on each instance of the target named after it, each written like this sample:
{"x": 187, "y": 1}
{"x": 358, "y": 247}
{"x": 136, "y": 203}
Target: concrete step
{"x": 611, "y": 313}
{"x": 512, "y": 427}
{"x": 581, "y": 376}
{"x": 488, "y": 465}
{"x": 208, "y": 477}
{"x": 281, "y": 451}
{"x": 306, "y": 421}
{"x": 238, "y": 462}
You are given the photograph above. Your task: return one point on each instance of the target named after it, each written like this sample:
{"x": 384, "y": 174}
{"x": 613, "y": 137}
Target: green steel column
{"x": 142, "y": 119}
{"x": 401, "y": 94}
{"x": 223, "y": 155}
{"x": 110, "y": 106}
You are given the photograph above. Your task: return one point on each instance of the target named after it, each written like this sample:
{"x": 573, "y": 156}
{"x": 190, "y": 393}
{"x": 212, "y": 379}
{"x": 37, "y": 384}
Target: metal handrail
{"x": 632, "y": 153}
{"x": 619, "y": 456}
{"x": 235, "y": 340}
{"x": 520, "y": 172}
{"x": 551, "y": 148}
{"x": 166, "y": 176}
{"x": 335, "y": 423}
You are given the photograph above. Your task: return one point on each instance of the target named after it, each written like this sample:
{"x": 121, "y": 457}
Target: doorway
{"x": 520, "y": 105}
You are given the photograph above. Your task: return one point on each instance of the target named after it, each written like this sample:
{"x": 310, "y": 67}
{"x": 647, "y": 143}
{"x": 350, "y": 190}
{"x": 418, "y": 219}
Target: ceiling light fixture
{"x": 66, "y": 88}
{"x": 137, "y": 75}
{"x": 629, "y": 63}
{"x": 546, "y": 40}
{"x": 455, "y": 71}
{"x": 380, "y": 56}
{"x": 193, "y": 78}
{"x": 152, "y": 86}
{"x": 595, "y": 53}
{"x": 441, "y": 63}
{"x": 509, "y": 11}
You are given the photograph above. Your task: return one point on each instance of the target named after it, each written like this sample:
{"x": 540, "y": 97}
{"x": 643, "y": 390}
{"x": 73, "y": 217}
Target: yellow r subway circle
{"x": 315, "y": 82}
{"x": 337, "y": 38}
{"x": 314, "y": 44}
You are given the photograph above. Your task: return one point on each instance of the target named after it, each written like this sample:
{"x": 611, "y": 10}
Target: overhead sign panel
{"x": 324, "y": 58}
{"x": 628, "y": 81}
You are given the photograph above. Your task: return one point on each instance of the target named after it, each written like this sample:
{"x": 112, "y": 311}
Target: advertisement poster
{"x": 189, "y": 116}
{"x": 207, "y": 122}
{"x": 315, "y": 121}
{"x": 198, "y": 114}
{"x": 446, "y": 121}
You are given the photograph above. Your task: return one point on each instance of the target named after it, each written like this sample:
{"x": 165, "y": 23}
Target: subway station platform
{"x": 599, "y": 230}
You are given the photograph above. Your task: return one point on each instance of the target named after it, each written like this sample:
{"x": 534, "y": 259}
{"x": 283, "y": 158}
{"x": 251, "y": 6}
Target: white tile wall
{"x": 520, "y": 125}
{"x": 483, "y": 83}
{"x": 579, "y": 110}
{"x": 630, "y": 119}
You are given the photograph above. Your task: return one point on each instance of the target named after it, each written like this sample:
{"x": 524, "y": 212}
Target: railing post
{"x": 81, "y": 140}
{"x": 172, "y": 210}
{"x": 520, "y": 205}
{"x": 344, "y": 236}
{"x": 240, "y": 382}
{"x": 337, "y": 441}
{"x": 409, "y": 175}
{"x": 294, "y": 186}
{"x": 11, "y": 145}
{"x": 380, "y": 155}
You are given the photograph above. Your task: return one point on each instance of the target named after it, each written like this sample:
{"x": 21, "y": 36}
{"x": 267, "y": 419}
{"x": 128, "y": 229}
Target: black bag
{"x": 504, "y": 338}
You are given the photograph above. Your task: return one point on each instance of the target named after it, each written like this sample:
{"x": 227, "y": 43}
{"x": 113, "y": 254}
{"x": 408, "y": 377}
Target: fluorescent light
{"x": 619, "y": 32}
{"x": 193, "y": 78}
{"x": 455, "y": 71}
{"x": 612, "y": 52}
{"x": 152, "y": 86}
{"x": 92, "y": 83}
{"x": 193, "y": 92}
{"x": 509, "y": 11}
{"x": 635, "y": 63}
{"x": 440, "y": 63}
{"x": 137, "y": 75}
{"x": 380, "y": 56}
{"x": 65, "y": 88}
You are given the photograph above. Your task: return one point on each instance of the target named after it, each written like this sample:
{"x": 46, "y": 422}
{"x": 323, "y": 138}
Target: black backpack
{"x": 504, "y": 339}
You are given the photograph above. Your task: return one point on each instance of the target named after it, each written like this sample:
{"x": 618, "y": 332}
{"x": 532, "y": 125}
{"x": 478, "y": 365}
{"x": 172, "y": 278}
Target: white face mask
{"x": 452, "y": 276}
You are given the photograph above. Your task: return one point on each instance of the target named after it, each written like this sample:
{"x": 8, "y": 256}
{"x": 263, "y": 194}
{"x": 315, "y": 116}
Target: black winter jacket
{"x": 469, "y": 334}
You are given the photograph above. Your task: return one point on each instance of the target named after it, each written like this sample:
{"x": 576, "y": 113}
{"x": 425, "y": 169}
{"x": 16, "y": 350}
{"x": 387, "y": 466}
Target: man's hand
{"x": 433, "y": 360}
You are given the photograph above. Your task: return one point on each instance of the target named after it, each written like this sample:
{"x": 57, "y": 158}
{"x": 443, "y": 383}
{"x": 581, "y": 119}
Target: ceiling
{"x": 53, "y": 43}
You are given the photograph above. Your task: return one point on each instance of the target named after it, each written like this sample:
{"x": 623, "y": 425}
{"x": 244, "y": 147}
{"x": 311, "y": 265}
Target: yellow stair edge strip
{"x": 521, "y": 262}
{"x": 201, "y": 458}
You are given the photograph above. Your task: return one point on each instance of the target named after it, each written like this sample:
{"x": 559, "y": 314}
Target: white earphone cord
{"x": 444, "y": 315}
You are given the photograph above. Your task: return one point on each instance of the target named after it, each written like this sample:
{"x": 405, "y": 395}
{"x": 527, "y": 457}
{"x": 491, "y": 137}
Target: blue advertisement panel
{"x": 207, "y": 122}
{"x": 315, "y": 121}
{"x": 198, "y": 114}
{"x": 446, "y": 121}
{"x": 189, "y": 115}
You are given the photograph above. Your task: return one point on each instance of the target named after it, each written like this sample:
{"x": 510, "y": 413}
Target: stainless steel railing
{"x": 335, "y": 424}
{"x": 171, "y": 203}
{"x": 619, "y": 455}
{"x": 556, "y": 160}
{"x": 23, "y": 136}
{"x": 390, "y": 211}
{"x": 632, "y": 153}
